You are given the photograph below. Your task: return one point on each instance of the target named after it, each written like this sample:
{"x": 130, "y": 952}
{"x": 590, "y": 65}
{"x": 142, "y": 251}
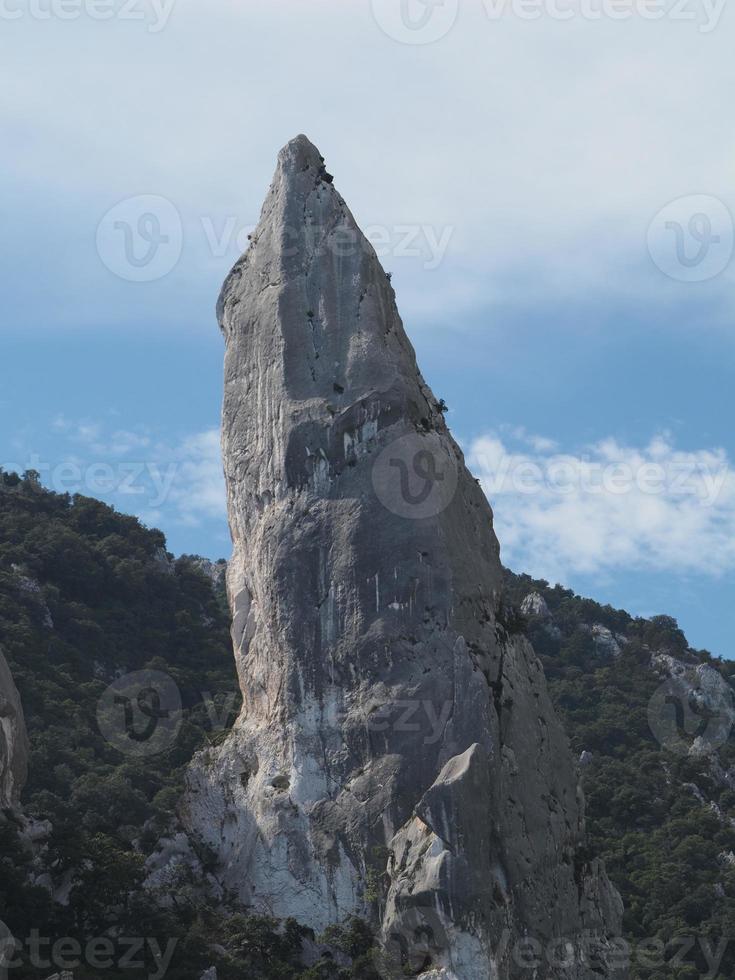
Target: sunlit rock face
{"x": 397, "y": 756}
{"x": 13, "y": 740}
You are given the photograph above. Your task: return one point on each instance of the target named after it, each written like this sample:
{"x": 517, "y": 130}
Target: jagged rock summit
{"x": 13, "y": 740}
{"x": 397, "y": 756}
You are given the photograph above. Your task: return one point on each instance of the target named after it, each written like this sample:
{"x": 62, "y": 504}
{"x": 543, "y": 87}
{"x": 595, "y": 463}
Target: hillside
{"x": 660, "y": 810}
{"x": 88, "y": 595}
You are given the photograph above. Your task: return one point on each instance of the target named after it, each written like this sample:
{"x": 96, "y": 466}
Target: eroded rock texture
{"x": 13, "y": 740}
{"x": 397, "y": 756}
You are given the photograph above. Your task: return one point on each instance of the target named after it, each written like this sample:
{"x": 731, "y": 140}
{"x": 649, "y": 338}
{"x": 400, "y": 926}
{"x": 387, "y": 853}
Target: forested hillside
{"x": 89, "y": 596}
{"x": 663, "y": 820}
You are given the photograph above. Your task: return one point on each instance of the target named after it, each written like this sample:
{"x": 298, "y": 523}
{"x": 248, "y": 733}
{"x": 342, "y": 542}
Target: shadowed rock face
{"x": 13, "y": 740}
{"x": 397, "y": 756}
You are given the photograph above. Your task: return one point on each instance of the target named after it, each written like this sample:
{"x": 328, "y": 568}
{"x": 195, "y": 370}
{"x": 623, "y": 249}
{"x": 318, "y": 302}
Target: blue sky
{"x": 516, "y": 176}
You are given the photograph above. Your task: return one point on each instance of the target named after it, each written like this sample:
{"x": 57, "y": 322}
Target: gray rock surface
{"x": 397, "y": 756}
{"x": 13, "y": 740}
{"x": 607, "y": 643}
{"x": 535, "y": 605}
{"x": 693, "y": 712}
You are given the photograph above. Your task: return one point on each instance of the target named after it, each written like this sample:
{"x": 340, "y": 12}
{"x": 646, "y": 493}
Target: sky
{"x": 548, "y": 181}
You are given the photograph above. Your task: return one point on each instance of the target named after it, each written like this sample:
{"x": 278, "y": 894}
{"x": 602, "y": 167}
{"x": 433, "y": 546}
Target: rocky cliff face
{"x": 397, "y": 756}
{"x": 13, "y": 740}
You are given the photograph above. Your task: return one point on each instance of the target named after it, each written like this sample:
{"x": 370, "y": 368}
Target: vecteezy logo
{"x": 140, "y": 713}
{"x": 415, "y": 476}
{"x": 684, "y": 723}
{"x": 411, "y": 943}
{"x": 424, "y": 466}
{"x": 692, "y": 238}
{"x": 7, "y": 950}
{"x": 415, "y": 21}
{"x": 141, "y": 238}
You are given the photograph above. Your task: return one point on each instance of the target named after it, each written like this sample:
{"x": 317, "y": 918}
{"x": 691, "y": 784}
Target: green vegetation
{"x": 664, "y": 849}
{"x": 87, "y": 595}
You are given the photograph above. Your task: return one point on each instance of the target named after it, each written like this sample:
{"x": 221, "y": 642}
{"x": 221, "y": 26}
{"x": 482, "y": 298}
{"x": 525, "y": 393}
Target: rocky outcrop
{"x": 30, "y": 588}
{"x": 397, "y": 756}
{"x": 607, "y": 644}
{"x": 693, "y": 712}
{"x": 214, "y": 570}
{"x": 13, "y": 740}
{"x": 535, "y": 605}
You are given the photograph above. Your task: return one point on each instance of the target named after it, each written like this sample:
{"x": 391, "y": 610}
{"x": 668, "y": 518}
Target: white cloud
{"x": 198, "y": 491}
{"x": 82, "y": 431}
{"x": 577, "y": 134}
{"x": 609, "y": 507}
{"x": 541, "y": 444}
{"x": 168, "y": 481}
{"x": 123, "y": 442}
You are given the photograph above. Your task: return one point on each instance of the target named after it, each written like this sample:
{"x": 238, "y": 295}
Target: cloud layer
{"x": 608, "y": 508}
{"x": 542, "y": 147}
